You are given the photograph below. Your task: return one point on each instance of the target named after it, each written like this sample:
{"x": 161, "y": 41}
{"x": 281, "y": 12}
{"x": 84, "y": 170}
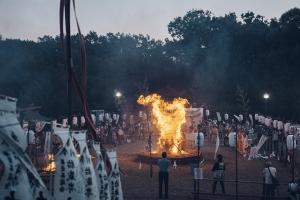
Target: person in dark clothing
{"x": 293, "y": 189}
{"x": 219, "y": 173}
{"x": 163, "y": 174}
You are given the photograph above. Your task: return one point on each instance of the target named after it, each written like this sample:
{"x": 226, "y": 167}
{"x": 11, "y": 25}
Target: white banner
{"x": 219, "y": 117}
{"x": 217, "y": 145}
{"x": 262, "y": 140}
{"x": 47, "y": 143}
{"x": 198, "y": 173}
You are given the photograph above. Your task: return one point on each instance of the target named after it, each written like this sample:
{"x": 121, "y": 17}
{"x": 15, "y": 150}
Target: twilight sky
{"x": 30, "y": 19}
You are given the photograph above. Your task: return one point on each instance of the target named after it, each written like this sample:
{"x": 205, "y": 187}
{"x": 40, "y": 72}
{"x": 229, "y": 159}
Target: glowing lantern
{"x": 287, "y": 127}
{"x": 101, "y": 117}
{"x": 279, "y": 125}
{"x": 31, "y": 137}
{"x": 256, "y": 116}
{"x": 263, "y": 119}
{"x": 289, "y": 142}
{"x": 226, "y": 116}
{"x": 207, "y": 112}
{"x": 74, "y": 120}
{"x": 232, "y": 139}
{"x": 201, "y": 139}
{"x": 93, "y": 118}
{"x": 275, "y": 124}
{"x": 106, "y": 116}
{"x": 267, "y": 121}
{"x": 64, "y": 123}
{"x": 82, "y": 119}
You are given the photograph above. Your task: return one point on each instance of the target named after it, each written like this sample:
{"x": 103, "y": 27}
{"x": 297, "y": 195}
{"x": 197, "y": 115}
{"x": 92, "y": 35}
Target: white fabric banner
{"x": 68, "y": 182}
{"x": 217, "y": 145}
{"x": 47, "y": 143}
{"x": 219, "y": 117}
{"x": 262, "y": 140}
{"x": 114, "y": 182}
{"x": 101, "y": 175}
{"x": 85, "y": 162}
{"x": 12, "y": 147}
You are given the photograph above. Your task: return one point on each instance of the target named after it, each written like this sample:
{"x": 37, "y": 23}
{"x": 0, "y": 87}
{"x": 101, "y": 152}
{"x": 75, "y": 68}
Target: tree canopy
{"x": 208, "y": 56}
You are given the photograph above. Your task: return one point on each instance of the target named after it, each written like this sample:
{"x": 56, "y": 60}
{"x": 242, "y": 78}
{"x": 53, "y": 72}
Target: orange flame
{"x": 51, "y": 166}
{"x": 168, "y": 119}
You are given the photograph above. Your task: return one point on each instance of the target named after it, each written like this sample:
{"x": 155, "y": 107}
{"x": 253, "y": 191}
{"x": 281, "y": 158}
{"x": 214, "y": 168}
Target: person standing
{"x": 219, "y": 173}
{"x": 293, "y": 189}
{"x": 214, "y": 133}
{"x": 163, "y": 174}
{"x": 269, "y": 187}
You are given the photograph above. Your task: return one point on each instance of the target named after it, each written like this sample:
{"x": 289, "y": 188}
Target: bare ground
{"x": 139, "y": 185}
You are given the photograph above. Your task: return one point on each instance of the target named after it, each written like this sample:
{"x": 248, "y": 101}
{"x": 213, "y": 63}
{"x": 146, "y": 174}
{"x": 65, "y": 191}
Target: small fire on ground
{"x": 51, "y": 166}
{"x": 168, "y": 118}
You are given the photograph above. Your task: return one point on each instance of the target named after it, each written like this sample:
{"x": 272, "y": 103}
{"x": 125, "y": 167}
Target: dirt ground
{"x": 139, "y": 185}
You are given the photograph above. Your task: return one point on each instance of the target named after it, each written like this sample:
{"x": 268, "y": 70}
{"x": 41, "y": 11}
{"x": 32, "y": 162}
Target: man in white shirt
{"x": 269, "y": 188}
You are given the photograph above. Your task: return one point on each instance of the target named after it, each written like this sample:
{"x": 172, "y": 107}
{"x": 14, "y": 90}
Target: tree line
{"x": 222, "y": 62}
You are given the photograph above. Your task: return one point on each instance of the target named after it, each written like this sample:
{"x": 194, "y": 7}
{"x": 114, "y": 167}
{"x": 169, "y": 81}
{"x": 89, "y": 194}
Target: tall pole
{"x": 68, "y": 48}
{"x": 293, "y": 174}
{"x": 198, "y": 142}
{"x": 51, "y": 157}
{"x": 236, "y": 162}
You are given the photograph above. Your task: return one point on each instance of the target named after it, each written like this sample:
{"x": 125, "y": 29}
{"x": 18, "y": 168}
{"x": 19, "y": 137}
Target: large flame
{"x": 168, "y": 119}
{"x": 51, "y": 166}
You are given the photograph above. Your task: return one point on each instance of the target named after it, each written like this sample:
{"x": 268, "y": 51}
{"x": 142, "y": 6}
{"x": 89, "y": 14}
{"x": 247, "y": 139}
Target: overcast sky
{"x": 30, "y": 19}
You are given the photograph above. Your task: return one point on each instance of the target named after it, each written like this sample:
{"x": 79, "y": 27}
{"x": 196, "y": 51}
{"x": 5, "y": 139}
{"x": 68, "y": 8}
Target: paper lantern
{"x": 74, "y": 120}
{"x": 101, "y": 117}
{"x": 279, "y": 125}
{"x": 289, "y": 142}
{"x": 82, "y": 119}
{"x": 232, "y": 139}
{"x": 106, "y": 116}
{"x": 287, "y": 127}
{"x": 207, "y": 112}
{"x": 275, "y": 124}
{"x": 64, "y": 123}
{"x": 117, "y": 119}
{"x": 267, "y": 122}
{"x": 226, "y": 116}
{"x": 292, "y": 128}
{"x": 241, "y": 117}
{"x": 256, "y": 116}
{"x": 93, "y": 118}
{"x": 141, "y": 114}
{"x": 31, "y": 137}
{"x": 259, "y": 118}
{"x": 263, "y": 119}
{"x": 201, "y": 139}
{"x": 114, "y": 117}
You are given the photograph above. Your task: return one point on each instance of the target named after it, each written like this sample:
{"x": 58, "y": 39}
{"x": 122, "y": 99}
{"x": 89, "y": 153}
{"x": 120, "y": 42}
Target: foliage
{"x": 207, "y": 56}
{"x": 243, "y": 100}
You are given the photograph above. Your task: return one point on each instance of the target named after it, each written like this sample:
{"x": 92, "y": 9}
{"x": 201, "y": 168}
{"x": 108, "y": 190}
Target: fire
{"x": 51, "y": 166}
{"x": 168, "y": 119}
